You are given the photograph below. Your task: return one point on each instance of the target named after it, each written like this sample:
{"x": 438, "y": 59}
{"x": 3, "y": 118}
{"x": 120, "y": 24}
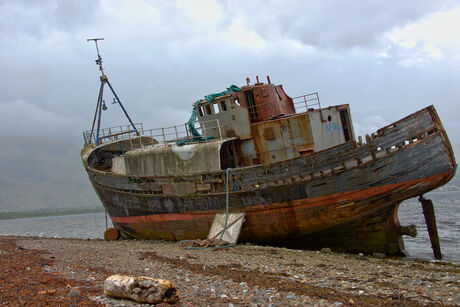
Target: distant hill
{"x": 42, "y": 174}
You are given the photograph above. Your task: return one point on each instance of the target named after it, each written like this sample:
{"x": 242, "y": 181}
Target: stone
{"x": 74, "y": 293}
{"x": 326, "y": 250}
{"x": 379, "y": 255}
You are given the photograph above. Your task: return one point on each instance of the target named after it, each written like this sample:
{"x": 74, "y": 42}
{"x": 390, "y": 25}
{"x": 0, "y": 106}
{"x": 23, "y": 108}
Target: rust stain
{"x": 319, "y": 201}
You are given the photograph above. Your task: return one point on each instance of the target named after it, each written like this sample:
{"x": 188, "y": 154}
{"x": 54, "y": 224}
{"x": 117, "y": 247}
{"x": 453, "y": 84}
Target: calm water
{"x": 447, "y": 211}
{"x": 92, "y": 225}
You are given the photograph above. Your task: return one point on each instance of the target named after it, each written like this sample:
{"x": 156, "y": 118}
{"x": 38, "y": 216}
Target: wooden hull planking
{"x": 345, "y": 198}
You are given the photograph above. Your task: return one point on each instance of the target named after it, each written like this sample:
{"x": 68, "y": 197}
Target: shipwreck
{"x": 291, "y": 165}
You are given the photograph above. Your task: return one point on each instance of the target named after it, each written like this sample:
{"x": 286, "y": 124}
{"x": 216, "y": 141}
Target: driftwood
{"x": 142, "y": 289}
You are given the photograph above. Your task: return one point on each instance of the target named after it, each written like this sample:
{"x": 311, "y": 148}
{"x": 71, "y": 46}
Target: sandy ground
{"x": 66, "y": 272}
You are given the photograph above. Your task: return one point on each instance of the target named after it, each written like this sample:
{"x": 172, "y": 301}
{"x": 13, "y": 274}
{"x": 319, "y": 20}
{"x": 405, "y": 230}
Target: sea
{"x": 92, "y": 226}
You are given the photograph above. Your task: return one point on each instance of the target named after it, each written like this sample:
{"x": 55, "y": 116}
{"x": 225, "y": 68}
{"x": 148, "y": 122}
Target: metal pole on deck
{"x": 430, "y": 220}
{"x": 99, "y": 106}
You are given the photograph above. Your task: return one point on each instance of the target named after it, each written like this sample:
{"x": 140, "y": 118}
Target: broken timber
{"x": 430, "y": 220}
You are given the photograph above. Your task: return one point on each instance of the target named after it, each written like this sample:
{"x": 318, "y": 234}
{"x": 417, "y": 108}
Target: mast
{"x": 100, "y": 106}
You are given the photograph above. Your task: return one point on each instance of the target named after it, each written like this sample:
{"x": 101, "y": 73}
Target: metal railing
{"x": 269, "y": 110}
{"x": 305, "y": 102}
{"x": 168, "y": 135}
{"x": 113, "y": 133}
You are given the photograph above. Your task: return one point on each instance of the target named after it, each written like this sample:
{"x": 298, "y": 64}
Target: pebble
{"x": 74, "y": 293}
{"x": 379, "y": 255}
{"x": 344, "y": 274}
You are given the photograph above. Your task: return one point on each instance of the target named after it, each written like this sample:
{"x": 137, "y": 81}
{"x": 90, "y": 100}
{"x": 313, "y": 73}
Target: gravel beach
{"x": 45, "y": 272}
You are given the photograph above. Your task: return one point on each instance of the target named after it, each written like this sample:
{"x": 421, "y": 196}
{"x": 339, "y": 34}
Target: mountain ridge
{"x": 41, "y": 173}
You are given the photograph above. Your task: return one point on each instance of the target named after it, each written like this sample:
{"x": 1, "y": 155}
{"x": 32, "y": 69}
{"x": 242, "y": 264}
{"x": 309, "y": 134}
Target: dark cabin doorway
{"x": 345, "y": 124}
{"x": 227, "y": 156}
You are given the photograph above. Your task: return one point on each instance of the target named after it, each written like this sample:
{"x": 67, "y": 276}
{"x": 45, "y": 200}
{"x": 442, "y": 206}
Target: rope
{"x": 226, "y": 202}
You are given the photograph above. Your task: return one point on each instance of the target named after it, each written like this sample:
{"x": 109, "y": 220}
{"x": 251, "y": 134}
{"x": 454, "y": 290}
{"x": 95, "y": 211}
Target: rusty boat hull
{"x": 345, "y": 197}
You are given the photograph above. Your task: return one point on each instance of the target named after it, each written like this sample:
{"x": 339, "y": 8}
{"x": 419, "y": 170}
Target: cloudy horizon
{"x": 386, "y": 61}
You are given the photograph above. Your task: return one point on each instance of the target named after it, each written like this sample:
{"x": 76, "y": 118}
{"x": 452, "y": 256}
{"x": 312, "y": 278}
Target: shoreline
{"x": 242, "y": 275}
{"x": 33, "y": 214}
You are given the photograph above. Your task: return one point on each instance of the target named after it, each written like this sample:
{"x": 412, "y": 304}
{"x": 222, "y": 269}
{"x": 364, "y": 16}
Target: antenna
{"x": 99, "y": 58}
{"x": 100, "y": 102}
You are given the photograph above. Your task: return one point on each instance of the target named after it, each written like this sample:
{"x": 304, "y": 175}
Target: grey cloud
{"x": 160, "y": 64}
{"x": 333, "y": 24}
{"x": 39, "y": 18}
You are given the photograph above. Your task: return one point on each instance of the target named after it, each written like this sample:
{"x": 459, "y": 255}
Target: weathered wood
{"x": 327, "y": 195}
{"x": 111, "y": 234}
{"x": 430, "y": 220}
{"x": 142, "y": 289}
{"x": 410, "y": 230}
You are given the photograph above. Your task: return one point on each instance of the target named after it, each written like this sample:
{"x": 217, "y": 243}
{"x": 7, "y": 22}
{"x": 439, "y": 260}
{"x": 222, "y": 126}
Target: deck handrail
{"x": 164, "y": 136}
{"x": 305, "y": 102}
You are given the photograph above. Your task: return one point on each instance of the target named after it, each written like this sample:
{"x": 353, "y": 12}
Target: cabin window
{"x": 200, "y": 111}
{"x": 251, "y": 105}
{"x": 223, "y": 106}
{"x": 207, "y": 108}
{"x": 216, "y": 108}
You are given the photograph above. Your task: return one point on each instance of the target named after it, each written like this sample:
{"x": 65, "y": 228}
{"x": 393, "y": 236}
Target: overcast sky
{"x": 386, "y": 59}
